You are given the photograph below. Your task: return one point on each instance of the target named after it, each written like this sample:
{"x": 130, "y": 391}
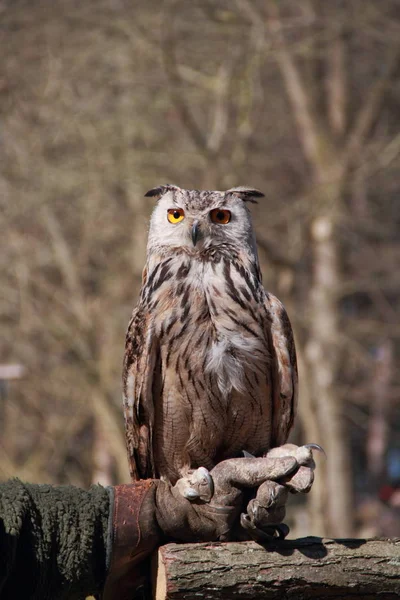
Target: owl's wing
{"x": 140, "y": 376}
{"x": 285, "y": 379}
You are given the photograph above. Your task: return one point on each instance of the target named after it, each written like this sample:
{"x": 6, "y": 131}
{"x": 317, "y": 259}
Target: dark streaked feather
{"x": 247, "y": 194}
{"x": 285, "y": 392}
{"x": 160, "y": 190}
{"x": 140, "y": 375}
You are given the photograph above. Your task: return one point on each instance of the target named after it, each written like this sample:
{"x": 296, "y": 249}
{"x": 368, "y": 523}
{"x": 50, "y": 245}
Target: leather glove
{"x": 201, "y": 507}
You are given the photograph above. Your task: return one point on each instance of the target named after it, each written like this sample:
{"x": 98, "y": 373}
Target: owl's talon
{"x": 247, "y": 454}
{"x": 282, "y": 530}
{"x": 190, "y": 494}
{"x": 203, "y": 472}
{"x": 268, "y": 534}
{"x": 198, "y": 485}
{"x": 317, "y": 447}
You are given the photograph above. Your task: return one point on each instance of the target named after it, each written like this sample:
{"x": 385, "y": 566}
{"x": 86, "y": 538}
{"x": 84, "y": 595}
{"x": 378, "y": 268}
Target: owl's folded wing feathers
{"x": 139, "y": 380}
{"x": 142, "y": 374}
{"x": 284, "y": 401}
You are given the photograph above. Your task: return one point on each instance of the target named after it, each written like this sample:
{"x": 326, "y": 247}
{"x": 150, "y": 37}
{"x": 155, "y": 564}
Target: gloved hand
{"x": 148, "y": 513}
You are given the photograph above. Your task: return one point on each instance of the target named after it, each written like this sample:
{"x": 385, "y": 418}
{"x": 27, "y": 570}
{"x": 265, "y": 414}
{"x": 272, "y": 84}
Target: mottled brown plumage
{"x": 210, "y": 362}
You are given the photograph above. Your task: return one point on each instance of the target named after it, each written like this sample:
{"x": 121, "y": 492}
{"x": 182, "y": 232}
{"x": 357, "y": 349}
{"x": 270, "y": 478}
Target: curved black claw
{"x": 268, "y": 534}
{"x": 282, "y": 530}
{"x": 317, "y": 447}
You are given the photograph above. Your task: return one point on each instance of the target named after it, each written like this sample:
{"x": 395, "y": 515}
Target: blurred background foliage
{"x": 102, "y": 100}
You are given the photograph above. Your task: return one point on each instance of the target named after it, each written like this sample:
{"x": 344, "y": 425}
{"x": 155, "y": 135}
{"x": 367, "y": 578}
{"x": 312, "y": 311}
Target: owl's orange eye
{"x": 175, "y": 215}
{"x": 220, "y": 215}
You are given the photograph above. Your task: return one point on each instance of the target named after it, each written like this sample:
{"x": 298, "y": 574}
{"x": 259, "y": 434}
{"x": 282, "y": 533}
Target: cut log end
{"x": 159, "y": 576}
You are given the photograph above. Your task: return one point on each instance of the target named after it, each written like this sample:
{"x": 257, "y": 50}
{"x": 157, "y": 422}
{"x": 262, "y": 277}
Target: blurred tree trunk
{"x": 323, "y": 355}
{"x": 322, "y": 349}
{"x": 311, "y": 428}
{"x": 329, "y": 155}
{"x": 378, "y": 426}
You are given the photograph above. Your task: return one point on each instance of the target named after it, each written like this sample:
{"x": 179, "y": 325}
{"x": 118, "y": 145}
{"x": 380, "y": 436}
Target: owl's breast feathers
{"x": 210, "y": 366}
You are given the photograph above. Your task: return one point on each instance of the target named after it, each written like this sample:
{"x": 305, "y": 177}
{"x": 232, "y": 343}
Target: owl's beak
{"x": 195, "y": 232}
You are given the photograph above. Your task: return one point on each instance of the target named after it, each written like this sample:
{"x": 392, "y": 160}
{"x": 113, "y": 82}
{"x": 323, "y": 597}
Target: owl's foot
{"x": 197, "y": 485}
{"x": 269, "y": 533}
{"x": 303, "y": 477}
{"x": 265, "y": 513}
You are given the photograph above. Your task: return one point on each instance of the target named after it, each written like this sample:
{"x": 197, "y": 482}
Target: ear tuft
{"x": 246, "y": 194}
{"x": 159, "y": 191}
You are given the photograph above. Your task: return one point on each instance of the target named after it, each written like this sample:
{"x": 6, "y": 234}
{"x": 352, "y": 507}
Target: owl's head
{"x": 198, "y": 220}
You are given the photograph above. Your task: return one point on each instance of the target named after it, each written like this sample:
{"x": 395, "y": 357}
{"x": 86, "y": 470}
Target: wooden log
{"x": 292, "y": 569}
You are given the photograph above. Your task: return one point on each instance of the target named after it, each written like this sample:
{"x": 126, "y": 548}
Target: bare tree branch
{"x": 168, "y": 45}
{"x": 220, "y": 122}
{"x": 336, "y": 85}
{"x": 300, "y": 98}
{"x": 66, "y": 265}
{"x": 368, "y": 113}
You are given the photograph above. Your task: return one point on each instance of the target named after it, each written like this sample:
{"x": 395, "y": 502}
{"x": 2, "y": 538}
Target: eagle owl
{"x": 210, "y": 362}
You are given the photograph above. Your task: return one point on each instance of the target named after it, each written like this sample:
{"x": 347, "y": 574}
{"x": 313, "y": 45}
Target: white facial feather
{"x": 238, "y": 232}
